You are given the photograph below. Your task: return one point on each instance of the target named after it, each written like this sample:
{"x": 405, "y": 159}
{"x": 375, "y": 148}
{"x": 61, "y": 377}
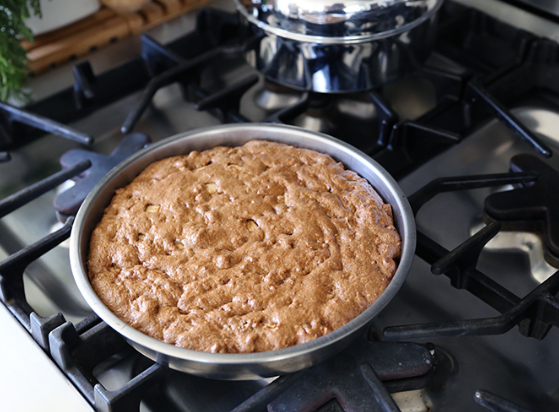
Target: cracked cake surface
{"x": 243, "y": 249}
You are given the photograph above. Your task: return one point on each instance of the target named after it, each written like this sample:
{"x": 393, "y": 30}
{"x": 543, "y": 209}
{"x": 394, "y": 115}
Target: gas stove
{"x": 468, "y": 137}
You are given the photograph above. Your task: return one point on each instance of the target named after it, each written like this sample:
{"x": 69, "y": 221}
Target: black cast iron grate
{"x": 535, "y": 314}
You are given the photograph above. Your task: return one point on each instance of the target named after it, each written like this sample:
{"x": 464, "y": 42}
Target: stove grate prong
{"x": 87, "y": 323}
{"x": 13, "y": 114}
{"x": 259, "y": 400}
{"x": 385, "y": 402}
{"x": 448, "y": 84}
{"x": 387, "y": 116}
{"x": 411, "y": 144}
{"x": 41, "y": 327}
{"x": 83, "y": 83}
{"x": 11, "y": 203}
{"x": 406, "y": 133}
{"x": 128, "y": 397}
{"x": 157, "y": 57}
{"x": 77, "y": 353}
{"x": 467, "y": 254}
{"x": 463, "y": 273}
{"x": 475, "y": 92}
{"x": 472, "y": 327}
{"x": 290, "y": 112}
{"x": 182, "y": 72}
{"x": 228, "y": 100}
{"x": 495, "y": 403}
{"x": 161, "y": 80}
{"x": 12, "y": 291}
{"x": 452, "y": 184}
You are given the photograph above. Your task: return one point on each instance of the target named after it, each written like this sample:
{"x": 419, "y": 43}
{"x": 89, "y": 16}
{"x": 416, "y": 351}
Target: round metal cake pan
{"x": 244, "y": 365}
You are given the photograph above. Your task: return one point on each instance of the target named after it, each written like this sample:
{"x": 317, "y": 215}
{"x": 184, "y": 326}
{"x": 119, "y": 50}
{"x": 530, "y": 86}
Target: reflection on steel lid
{"x": 356, "y": 20}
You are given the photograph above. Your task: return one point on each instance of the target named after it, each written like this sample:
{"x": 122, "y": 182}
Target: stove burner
{"x": 344, "y": 117}
{"x": 340, "y": 116}
{"x": 68, "y": 202}
{"x": 532, "y": 207}
{"x": 273, "y": 96}
{"x": 526, "y": 242}
{"x": 354, "y": 378}
{"x": 319, "y": 116}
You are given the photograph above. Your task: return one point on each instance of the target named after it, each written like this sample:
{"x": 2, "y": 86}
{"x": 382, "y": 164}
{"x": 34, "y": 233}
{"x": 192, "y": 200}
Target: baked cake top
{"x": 243, "y": 249}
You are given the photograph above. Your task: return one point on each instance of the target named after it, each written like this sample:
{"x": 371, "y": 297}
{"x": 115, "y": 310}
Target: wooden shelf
{"x": 100, "y": 29}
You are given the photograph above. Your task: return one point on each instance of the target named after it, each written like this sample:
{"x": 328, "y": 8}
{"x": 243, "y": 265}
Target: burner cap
{"x": 533, "y": 207}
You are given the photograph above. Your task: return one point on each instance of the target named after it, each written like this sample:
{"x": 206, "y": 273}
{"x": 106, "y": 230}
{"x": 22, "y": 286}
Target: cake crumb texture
{"x": 244, "y": 249}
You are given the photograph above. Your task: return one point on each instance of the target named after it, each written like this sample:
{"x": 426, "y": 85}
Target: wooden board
{"x": 98, "y": 30}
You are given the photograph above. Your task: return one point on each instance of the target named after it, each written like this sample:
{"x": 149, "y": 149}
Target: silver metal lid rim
{"x": 305, "y": 38}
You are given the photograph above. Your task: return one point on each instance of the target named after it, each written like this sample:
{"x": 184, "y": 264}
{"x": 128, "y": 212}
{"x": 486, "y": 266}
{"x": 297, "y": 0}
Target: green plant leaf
{"x": 13, "y": 57}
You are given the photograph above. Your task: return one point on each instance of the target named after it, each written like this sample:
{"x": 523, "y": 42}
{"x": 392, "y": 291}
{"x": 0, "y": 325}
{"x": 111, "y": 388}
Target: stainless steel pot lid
{"x": 337, "y": 21}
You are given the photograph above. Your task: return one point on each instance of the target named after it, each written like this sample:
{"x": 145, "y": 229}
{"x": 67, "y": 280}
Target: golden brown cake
{"x": 244, "y": 249}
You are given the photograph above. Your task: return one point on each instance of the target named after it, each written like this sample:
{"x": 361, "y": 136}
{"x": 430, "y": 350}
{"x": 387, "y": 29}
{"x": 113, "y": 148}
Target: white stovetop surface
{"x": 30, "y": 380}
